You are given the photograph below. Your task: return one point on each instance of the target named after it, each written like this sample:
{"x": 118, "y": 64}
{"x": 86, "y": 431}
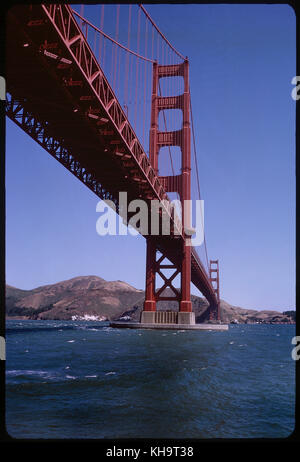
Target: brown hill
{"x": 92, "y": 296}
{"x": 80, "y": 296}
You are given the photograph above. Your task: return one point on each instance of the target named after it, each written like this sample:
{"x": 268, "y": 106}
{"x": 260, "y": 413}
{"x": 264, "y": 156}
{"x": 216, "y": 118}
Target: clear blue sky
{"x": 242, "y": 60}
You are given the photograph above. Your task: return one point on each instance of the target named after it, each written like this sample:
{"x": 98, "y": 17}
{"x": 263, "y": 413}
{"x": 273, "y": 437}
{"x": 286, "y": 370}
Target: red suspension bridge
{"x": 88, "y": 95}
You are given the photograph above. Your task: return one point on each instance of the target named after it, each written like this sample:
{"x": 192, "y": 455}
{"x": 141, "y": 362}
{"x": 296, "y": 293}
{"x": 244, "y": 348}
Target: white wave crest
{"x": 88, "y": 317}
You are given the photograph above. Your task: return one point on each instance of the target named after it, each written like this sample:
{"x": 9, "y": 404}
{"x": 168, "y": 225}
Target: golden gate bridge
{"x": 112, "y": 102}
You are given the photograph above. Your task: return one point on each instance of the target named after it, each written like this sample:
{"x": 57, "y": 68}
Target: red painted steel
{"x": 214, "y": 278}
{"x": 63, "y": 100}
{"x": 180, "y": 183}
{"x": 185, "y": 304}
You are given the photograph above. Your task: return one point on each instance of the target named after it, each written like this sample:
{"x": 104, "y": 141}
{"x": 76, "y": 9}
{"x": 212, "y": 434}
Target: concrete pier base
{"x": 140, "y": 325}
{"x": 148, "y": 317}
{"x": 168, "y": 317}
{"x": 183, "y": 320}
{"x": 186, "y": 317}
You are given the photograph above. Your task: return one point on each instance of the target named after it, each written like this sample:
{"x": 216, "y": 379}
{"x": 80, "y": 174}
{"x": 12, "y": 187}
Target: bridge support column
{"x": 186, "y": 304}
{"x": 214, "y": 310}
{"x": 175, "y": 183}
{"x": 148, "y": 314}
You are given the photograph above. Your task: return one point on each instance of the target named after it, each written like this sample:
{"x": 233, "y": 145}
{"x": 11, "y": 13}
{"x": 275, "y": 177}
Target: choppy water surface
{"x": 76, "y": 379}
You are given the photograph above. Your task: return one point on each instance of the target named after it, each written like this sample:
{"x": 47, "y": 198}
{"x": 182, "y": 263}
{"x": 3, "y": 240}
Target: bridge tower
{"x": 174, "y": 183}
{"x": 214, "y": 313}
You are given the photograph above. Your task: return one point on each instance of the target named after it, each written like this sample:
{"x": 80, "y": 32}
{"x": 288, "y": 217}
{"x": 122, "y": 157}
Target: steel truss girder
{"x": 66, "y": 26}
{"x": 40, "y": 131}
{"x": 64, "y": 23}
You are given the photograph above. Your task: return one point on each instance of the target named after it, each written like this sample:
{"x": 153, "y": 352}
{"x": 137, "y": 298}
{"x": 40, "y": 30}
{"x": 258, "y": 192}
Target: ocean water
{"x": 77, "y": 379}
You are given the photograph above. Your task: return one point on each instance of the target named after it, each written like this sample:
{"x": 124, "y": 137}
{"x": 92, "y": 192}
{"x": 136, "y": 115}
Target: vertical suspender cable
{"x": 137, "y": 70}
{"x": 81, "y": 14}
{"x": 116, "y": 47}
{"x": 145, "y": 83}
{"x": 95, "y": 42}
{"x": 127, "y": 59}
{"x": 101, "y": 39}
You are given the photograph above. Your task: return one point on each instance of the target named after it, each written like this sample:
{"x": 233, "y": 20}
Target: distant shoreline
{"x": 24, "y": 318}
{"x": 95, "y": 299}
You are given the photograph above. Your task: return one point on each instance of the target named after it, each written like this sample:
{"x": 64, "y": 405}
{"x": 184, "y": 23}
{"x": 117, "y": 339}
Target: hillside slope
{"x": 93, "y": 297}
{"x": 80, "y": 296}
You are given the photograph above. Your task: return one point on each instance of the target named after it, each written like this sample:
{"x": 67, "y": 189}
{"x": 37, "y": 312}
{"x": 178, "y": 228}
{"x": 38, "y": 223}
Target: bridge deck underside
{"x": 41, "y": 83}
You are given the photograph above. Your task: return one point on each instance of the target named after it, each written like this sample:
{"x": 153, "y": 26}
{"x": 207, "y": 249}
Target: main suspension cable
{"x": 197, "y": 175}
{"x": 160, "y": 33}
{"x": 85, "y": 21}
